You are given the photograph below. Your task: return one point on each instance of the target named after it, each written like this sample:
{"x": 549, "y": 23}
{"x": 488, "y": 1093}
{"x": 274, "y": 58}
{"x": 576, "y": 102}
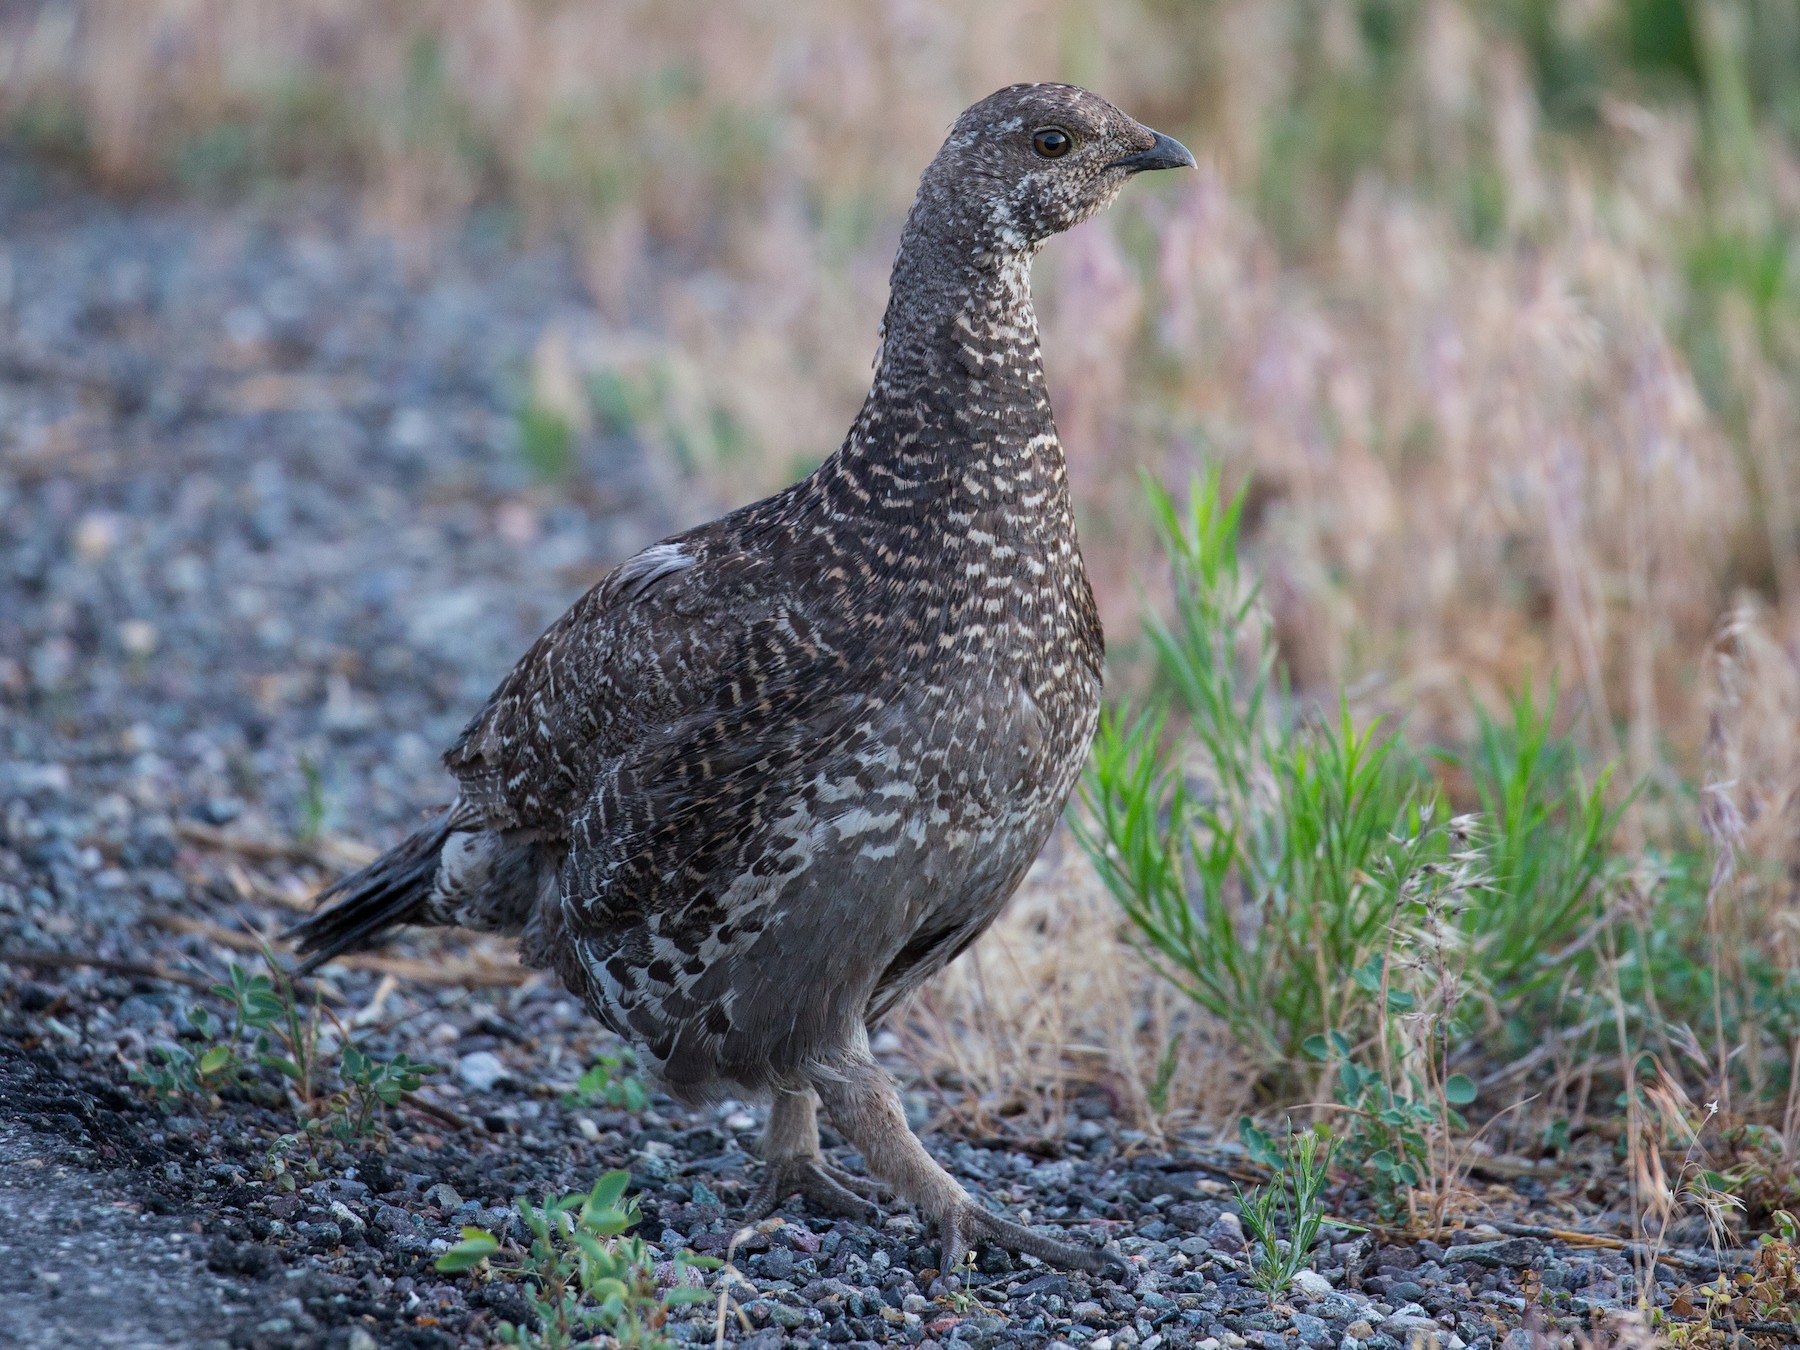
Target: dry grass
{"x": 1515, "y": 391}
{"x": 1052, "y": 1005}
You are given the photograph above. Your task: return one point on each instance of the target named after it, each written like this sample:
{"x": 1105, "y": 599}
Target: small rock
{"x": 791, "y": 1318}
{"x": 482, "y": 1070}
{"x": 1515, "y": 1253}
{"x": 1402, "y": 1326}
{"x": 444, "y": 1196}
{"x": 361, "y": 1340}
{"x": 1312, "y": 1284}
{"x": 1227, "y": 1234}
{"x": 1312, "y": 1330}
{"x": 1359, "y": 1330}
{"x": 143, "y": 1010}
{"x": 345, "y": 1218}
{"x": 776, "y": 1264}
{"x": 97, "y": 533}
{"x": 321, "y": 1236}
{"x": 137, "y": 637}
{"x": 1342, "y": 1306}
{"x": 801, "y": 1239}
{"x": 393, "y": 1219}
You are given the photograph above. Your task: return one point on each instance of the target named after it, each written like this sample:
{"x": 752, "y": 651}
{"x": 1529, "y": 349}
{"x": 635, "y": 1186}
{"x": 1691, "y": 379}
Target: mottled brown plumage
{"x": 774, "y": 772}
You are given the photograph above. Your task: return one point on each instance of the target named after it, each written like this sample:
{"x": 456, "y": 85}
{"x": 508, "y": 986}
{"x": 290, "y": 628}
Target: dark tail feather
{"x": 391, "y": 890}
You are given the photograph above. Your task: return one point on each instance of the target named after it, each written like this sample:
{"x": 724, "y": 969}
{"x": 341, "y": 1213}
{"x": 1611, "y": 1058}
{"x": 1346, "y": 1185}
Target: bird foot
{"x": 830, "y": 1188}
{"x": 965, "y": 1222}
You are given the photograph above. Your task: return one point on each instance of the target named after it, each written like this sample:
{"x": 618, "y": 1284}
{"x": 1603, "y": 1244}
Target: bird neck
{"x": 958, "y": 414}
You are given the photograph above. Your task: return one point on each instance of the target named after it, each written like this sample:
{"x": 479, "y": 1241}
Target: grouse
{"x": 773, "y": 773}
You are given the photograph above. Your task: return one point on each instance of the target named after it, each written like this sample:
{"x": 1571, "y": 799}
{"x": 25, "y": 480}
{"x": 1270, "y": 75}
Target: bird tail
{"x": 391, "y": 890}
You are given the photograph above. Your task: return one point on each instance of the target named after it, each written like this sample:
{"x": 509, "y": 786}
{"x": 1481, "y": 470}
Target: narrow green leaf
{"x": 282, "y": 1065}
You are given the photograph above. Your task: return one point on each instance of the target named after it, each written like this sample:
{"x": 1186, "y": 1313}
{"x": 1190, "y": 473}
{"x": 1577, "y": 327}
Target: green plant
{"x": 959, "y": 1297}
{"x": 264, "y": 1011}
{"x": 581, "y": 1274}
{"x": 1281, "y": 868}
{"x": 1166, "y": 1064}
{"x": 612, "y": 1081}
{"x": 546, "y": 441}
{"x": 312, "y": 802}
{"x": 371, "y": 1086}
{"x": 175, "y": 1071}
{"x": 1260, "y": 858}
{"x": 1762, "y": 1171}
{"x": 286, "y": 1162}
{"x": 1768, "y": 1292}
{"x": 1546, "y": 835}
{"x": 268, "y": 1030}
{"x": 286, "y": 1039}
{"x": 1293, "y": 1202}
{"x": 1400, "y": 1124}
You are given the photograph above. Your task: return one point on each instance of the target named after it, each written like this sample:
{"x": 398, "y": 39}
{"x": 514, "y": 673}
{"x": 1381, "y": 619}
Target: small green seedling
{"x": 582, "y": 1274}
{"x": 371, "y": 1085}
{"x": 268, "y": 1029}
{"x": 1293, "y": 1200}
{"x": 611, "y": 1081}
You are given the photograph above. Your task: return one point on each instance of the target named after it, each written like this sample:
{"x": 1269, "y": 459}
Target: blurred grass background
{"x": 1495, "y": 306}
{"x": 1495, "y": 303}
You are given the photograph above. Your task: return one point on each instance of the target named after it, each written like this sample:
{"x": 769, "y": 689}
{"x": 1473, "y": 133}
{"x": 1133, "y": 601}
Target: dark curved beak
{"x": 1164, "y": 153}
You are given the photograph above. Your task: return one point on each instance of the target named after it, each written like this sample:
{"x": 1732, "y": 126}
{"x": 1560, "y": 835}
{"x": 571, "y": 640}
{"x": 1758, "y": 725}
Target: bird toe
{"x": 972, "y": 1220}
{"x": 809, "y": 1179}
{"x": 867, "y": 1187}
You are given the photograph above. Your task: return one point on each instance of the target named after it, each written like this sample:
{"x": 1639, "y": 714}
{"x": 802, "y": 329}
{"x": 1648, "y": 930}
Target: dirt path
{"x": 80, "y": 1265}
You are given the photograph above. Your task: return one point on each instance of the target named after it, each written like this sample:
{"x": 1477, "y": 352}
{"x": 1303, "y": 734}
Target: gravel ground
{"x": 266, "y": 539}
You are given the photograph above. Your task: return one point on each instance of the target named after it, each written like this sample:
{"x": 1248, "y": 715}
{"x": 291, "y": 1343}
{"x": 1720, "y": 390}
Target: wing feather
{"x": 641, "y": 649}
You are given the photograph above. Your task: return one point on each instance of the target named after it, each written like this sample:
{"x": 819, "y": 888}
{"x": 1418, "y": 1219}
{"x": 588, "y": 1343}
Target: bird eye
{"x": 1052, "y": 142}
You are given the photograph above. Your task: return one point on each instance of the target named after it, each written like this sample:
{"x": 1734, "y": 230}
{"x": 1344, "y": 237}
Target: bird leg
{"x": 792, "y": 1163}
{"x": 865, "y": 1107}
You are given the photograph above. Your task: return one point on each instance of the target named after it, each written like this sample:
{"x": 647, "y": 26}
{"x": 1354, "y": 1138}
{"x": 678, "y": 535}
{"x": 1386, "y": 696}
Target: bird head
{"x": 1034, "y": 159}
